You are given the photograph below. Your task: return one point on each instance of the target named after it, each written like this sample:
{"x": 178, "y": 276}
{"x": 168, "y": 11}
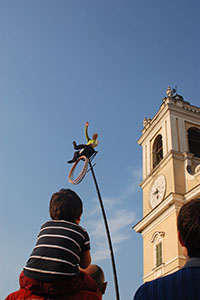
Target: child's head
{"x": 65, "y": 205}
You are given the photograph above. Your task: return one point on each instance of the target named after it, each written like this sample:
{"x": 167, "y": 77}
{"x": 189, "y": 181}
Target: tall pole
{"x": 108, "y": 233}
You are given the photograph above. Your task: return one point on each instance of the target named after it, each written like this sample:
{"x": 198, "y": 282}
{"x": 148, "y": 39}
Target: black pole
{"x": 108, "y": 233}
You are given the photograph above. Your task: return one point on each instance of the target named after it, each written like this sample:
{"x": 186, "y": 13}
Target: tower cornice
{"x": 172, "y": 105}
{"x": 147, "y": 220}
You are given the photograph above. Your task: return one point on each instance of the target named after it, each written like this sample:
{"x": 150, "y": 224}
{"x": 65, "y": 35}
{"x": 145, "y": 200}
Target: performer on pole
{"x": 85, "y": 149}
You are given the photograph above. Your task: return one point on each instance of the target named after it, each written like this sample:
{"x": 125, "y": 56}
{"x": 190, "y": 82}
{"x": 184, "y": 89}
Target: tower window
{"x": 159, "y": 254}
{"x": 158, "y": 246}
{"x": 157, "y": 150}
{"x": 194, "y": 141}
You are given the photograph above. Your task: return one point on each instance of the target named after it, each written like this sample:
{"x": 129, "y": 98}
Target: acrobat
{"x": 85, "y": 149}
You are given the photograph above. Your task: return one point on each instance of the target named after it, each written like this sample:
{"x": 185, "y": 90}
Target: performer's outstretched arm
{"x": 86, "y": 131}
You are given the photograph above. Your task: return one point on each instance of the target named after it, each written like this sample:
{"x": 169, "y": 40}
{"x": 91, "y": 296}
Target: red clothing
{"x": 83, "y": 295}
{"x": 58, "y": 288}
{"x": 24, "y": 294}
{"x": 79, "y": 287}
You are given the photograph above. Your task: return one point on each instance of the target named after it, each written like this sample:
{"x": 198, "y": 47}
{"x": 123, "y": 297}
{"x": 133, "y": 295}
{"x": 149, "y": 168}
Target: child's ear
{"x": 78, "y": 219}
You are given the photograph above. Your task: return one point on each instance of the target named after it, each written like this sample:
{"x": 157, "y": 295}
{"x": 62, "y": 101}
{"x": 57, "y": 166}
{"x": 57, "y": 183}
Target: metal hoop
{"x": 80, "y": 177}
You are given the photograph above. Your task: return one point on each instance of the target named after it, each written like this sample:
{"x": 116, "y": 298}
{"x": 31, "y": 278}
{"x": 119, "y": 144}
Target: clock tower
{"x": 171, "y": 176}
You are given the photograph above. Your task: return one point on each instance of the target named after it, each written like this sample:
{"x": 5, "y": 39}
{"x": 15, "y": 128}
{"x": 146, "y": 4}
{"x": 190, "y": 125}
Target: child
{"x": 62, "y": 247}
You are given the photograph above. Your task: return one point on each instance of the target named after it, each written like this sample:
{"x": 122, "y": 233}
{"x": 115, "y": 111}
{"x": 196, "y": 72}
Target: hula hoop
{"x": 80, "y": 177}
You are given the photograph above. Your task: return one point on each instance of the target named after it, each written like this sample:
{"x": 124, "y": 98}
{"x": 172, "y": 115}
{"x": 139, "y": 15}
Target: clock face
{"x": 157, "y": 191}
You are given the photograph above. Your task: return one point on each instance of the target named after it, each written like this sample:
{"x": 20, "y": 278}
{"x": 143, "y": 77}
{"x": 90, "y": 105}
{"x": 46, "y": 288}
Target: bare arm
{"x": 85, "y": 259}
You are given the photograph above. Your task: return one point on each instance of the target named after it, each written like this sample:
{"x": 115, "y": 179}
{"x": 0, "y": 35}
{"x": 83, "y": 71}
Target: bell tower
{"x": 171, "y": 176}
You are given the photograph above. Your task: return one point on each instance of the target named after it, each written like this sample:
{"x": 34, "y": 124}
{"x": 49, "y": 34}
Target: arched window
{"x": 159, "y": 254}
{"x": 157, "y": 150}
{"x": 157, "y": 240}
{"x": 194, "y": 141}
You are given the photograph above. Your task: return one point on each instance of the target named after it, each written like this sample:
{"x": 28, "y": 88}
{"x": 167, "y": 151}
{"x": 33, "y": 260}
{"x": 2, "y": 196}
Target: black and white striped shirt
{"x": 57, "y": 251}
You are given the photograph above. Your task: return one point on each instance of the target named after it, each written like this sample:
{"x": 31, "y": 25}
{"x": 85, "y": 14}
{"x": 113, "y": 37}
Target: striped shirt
{"x": 57, "y": 251}
{"x": 181, "y": 285}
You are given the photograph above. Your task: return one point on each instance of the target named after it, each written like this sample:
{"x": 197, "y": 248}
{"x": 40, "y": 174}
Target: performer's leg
{"x": 88, "y": 151}
{"x": 78, "y": 147}
{"x": 75, "y": 157}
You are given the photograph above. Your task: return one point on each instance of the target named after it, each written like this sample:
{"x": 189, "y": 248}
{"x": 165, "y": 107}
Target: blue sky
{"x": 66, "y": 62}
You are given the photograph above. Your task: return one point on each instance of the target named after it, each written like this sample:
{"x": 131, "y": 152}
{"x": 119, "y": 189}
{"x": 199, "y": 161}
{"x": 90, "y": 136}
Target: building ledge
{"x": 158, "y": 210}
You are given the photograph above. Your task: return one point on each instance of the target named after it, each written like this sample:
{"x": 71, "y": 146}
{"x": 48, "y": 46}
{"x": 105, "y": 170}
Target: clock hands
{"x": 156, "y": 193}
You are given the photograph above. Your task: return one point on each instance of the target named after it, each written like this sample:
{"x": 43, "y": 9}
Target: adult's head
{"x": 189, "y": 227}
{"x": 65, "y": 205}
{"x": 98, "y": 275}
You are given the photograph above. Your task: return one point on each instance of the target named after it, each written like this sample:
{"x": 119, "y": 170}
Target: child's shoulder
{"x": 63, "y": 223}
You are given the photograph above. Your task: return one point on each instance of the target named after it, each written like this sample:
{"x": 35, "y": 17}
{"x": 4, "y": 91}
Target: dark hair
{"x": 65, "y": 205}
{"x": 189, "y": 226}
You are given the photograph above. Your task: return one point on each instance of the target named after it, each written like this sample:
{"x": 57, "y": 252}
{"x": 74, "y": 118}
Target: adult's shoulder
{"x": 168, "y": 285}
{"x": 143, "y": 291}
{"x": 140, "y": 293}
